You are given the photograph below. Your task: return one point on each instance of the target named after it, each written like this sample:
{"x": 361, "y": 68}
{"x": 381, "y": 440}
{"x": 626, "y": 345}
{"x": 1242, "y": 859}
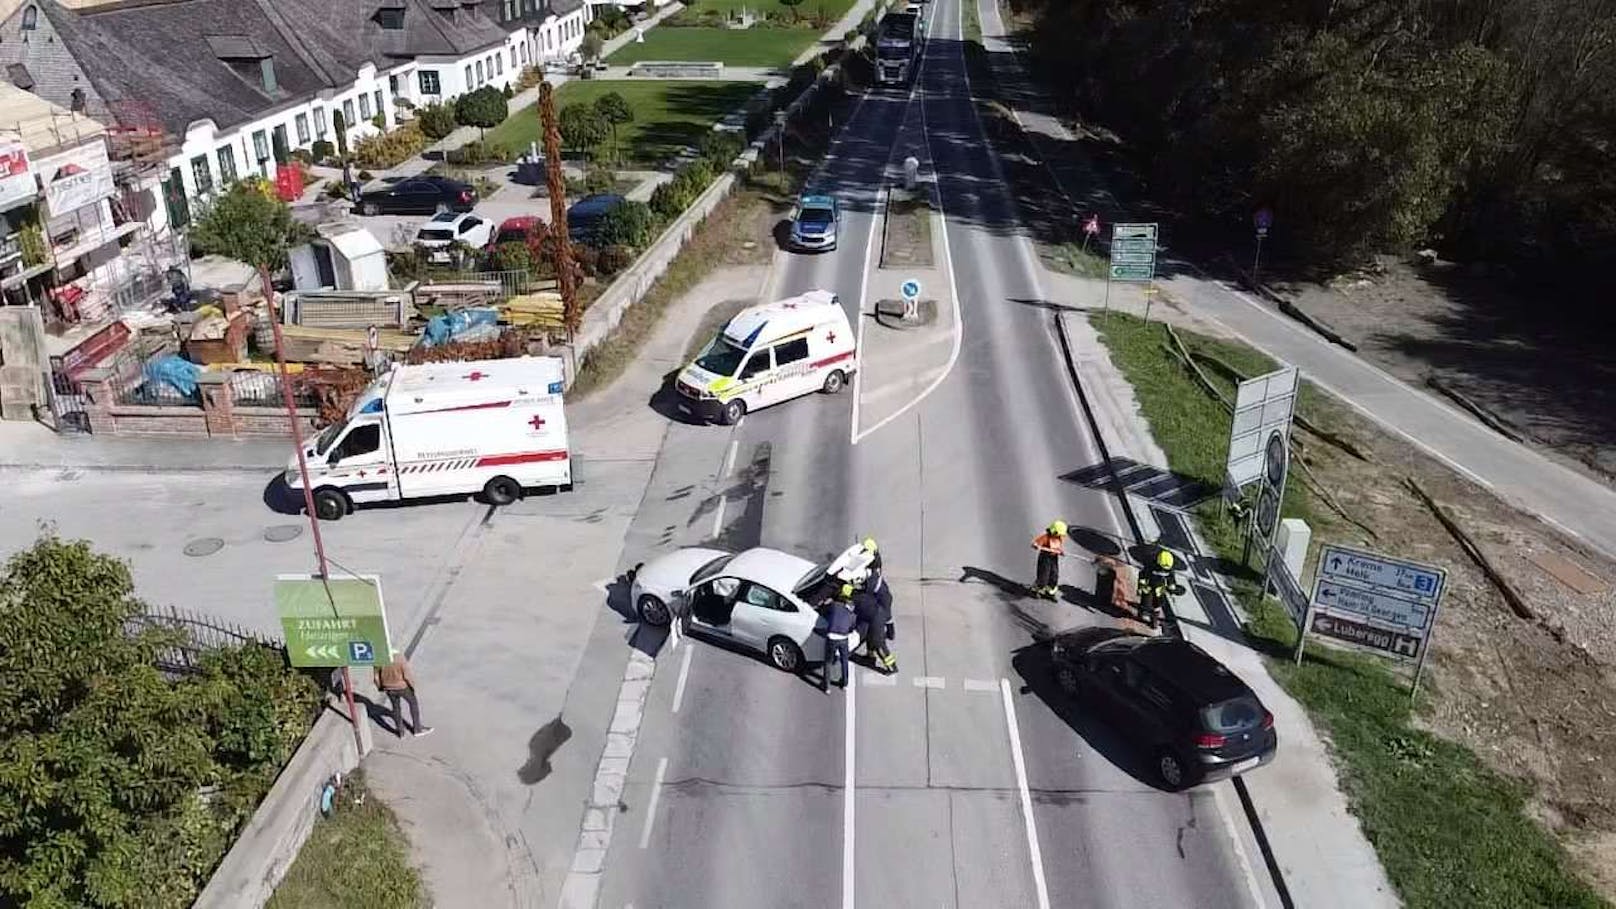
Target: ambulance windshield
{"x": 329, "y": 435}
{"x": 721, "y": 357}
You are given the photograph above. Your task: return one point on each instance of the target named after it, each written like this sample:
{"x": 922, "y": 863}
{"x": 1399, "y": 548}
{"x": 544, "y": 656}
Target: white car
{"x": 762, "y": 599}
{"x": 439, "y": 235}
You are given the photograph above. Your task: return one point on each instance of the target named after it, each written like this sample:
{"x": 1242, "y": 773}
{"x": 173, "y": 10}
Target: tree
{"x": 437, "y": 120}
{"x": 626, "y": 224}
{"x": 615, "y": 110}
{"x": 565, "y": 268}
{"x": 249, "y": 225}
{"x": 339, "y": 125}
{"x": 484, "y": 108}
{"x": 582, "y": 127}
{"x": 592, "y": 45}
{"x": 791, "y": 5}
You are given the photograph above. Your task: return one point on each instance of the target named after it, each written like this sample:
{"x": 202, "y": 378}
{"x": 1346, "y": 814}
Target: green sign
{"x": 338, "y": 622}
{"x": 1133, "y": 252}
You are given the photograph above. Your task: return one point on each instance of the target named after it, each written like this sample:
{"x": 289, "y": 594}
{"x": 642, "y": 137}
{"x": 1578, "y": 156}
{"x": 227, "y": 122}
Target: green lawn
{"x": 769, "y": 47}
{"x": 1449, "y": 831}
{"x": 668, "y": 115}
{"x": 806, "y": 10}
{"x": 356, "y": 859}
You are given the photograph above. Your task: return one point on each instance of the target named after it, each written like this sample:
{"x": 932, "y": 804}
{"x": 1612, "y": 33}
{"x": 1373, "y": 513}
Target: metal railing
{"x": 198, "y": 634}
{"x": 511, "y": 283}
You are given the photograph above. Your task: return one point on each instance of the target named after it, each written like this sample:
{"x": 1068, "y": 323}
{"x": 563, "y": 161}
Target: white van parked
{"x": 495, "y": 427}
{"x": 770, "y": 353}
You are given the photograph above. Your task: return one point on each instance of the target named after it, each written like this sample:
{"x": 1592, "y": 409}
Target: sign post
{"x": 1091, "y": 229}
{"x": 1133, "y": 258}
{"x": 1377, "y": 601}
{"x": 1263, "y": 219}
{"x": 911, "y": 299}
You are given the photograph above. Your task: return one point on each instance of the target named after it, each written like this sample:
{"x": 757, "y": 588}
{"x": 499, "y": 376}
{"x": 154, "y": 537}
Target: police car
{"x": 813, "y": 226}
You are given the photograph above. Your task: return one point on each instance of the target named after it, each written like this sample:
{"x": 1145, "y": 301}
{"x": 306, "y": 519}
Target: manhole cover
{"x": 205, "y": 546}
{"x": 283, "y": 533}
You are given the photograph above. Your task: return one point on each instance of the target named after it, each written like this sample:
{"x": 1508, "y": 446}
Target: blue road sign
{"x": 361, "y": 652}
{"x": 1263, "y": 219}
{"x": 1381, "y": 573}
{"x": 910, "y": 289}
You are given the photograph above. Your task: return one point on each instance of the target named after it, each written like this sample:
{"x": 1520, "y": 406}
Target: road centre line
{"x": 684, "y": 675}
{"x": 1026, "y": 797}
{"x": 729, "y": 459}
{"x": 718, "y": 516}
{"x": 864, "y": 292}
{"x": 656, "y": 795}
{"x": 849, "y": 796}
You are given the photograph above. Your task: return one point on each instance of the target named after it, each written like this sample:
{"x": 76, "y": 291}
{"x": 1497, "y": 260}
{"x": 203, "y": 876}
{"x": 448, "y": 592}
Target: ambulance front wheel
{"x": 330, "y": 504}
{"x": 732, "y": 412}
{"x": 502, "y": 491}
{"x": 834, "y": 382}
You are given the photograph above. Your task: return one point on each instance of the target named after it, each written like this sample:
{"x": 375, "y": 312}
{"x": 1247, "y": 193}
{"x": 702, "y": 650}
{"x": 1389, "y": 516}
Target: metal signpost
{"x": 1091, "y": 229}
{"x": 348, "y": 628}
{"x": 911, "y": 299}
{"x": 1133, "y": 256}
{"x": 1262, "y": 220}
{"x": 1376, "y": 601}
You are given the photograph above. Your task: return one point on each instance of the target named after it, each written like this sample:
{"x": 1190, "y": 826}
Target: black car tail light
{"x": 1210, "y": 740}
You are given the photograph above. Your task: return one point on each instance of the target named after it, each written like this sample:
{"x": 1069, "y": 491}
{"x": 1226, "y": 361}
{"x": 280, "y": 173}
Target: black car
{"x": 583, "y": 218}
{"x": 419, "y": 196}
{"x": 1198, "y": 720}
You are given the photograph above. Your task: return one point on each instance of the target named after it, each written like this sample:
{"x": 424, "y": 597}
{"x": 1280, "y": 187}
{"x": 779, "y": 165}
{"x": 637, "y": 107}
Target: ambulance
{"x": 492, "y": 427}
{"x": 770, "y": 353}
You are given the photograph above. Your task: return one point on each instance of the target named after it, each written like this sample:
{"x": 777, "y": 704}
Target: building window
{"x": 513, "y": 58}
{"x": 499, "y": 64}
{"x": 319, "y": 122}
{"x": 381, "y": 109}
{"x": 301, "y": 121}
{"x": 364, "y": 107}
{"x": 227, "y": 164}
{"x": 348, "y": 113}
{"x": 30, "y": 18}
{"x": 429, "y": 82}
{"x": 390, "y": 18}
{"x": 480, "y": 79}
{"x": 260, "y": 147}
{"x": 524, "y": 55}
{"x": 468, "y": 77}
{"x": 202, "y": 174}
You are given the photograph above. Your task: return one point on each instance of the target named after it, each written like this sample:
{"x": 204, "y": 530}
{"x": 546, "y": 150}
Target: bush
{"x": 478, "y": 152}
{"x": 599, "y": 180}
{"x": 614, "y": 259}
{"x": 529, "y": 77}
{"x": 628, "y": 224}
{"x": 719, "y": 147}
{"x": 322, "y": 150}
{"x": 366, "y": 176}
{"x": 484, "y": 108}
{"x": 511, "y": 257}
{"x": 507, "y": 92}
{"x": 436, "y": 120}
{"x": 667, "y": 201}
{"x": 386, "y": 150}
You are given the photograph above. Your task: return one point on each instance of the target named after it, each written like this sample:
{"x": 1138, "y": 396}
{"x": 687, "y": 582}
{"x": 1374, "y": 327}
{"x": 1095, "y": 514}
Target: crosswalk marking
{"x": 927, "y": 681}
{"x": 877, "y": 680}
{"x": 981, "y": 685}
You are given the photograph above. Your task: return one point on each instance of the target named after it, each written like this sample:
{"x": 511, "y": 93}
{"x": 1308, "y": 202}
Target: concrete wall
{"x": 268, "y": 845}
{"x": 217, "y": 416}
{"x": 23, "y": 363}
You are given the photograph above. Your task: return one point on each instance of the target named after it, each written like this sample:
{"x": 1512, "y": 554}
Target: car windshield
{"x": 1233, "y": 715}
{"x": 721, "y": 357}
{"x": 428, "y": 233}
{"x": 512, "y": 236}
{"x": 893, "y": 51}
{"x": 816, "y": 215}
{"x": 711, "y": 568}
{"x": 329, "y": 435}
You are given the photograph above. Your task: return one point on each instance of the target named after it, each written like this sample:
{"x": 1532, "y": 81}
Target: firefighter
{"x": 839, "y": 623}
{"x": 1155, "y": 583}
{"x": 1051, "y": 545}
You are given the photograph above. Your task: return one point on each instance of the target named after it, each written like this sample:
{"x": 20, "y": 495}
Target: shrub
{"x": 668, "y": 200}
{"x": 508, "y": 92}
{"x": 614, "y": 259}
{"x": 366, "y": 176}
{"x": 436, "y": 120}
{"x": 599, "y": 180}
{"x": 484, "y": 108}
{"x": 628, "y": 224}
{"x": 322, "y": 150}
{"x": 529, "y": 77}
{"x": 380, "y": 120}
{"x": 582, "y": 127}
{"x": 478, "y": 152}
{"x": 719, "y": 147}
{"x": 386, "y": 150}
{"x": 511, "y": 257}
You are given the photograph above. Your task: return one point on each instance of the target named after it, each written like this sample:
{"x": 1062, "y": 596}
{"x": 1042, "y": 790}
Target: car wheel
{"x": 785, "y": 655}
{"x": 502, "y": 491}
{"x": 330, "y": 504}
{"x": 1067, "y": 679}
{"x": 653, "y": 611}
{"x": 834, "y": 382}
{"x": 370, "y": 208}
{"x": 733, "y": 411}
{"x": 1174, "y": 773}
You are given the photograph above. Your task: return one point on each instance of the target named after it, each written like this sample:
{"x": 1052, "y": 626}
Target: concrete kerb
{"x": 269, "y": 843}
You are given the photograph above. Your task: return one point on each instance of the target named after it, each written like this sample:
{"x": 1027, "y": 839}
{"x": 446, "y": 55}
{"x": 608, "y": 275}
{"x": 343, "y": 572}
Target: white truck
{"x": 897, "y": 48}
{"x": 494, "y": 427}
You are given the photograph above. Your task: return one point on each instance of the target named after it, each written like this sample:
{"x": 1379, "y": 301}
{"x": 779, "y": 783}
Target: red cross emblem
{"x": 537, "y": 423}
{"x": 830, "y": 337}
{"x": 475, "y": 375}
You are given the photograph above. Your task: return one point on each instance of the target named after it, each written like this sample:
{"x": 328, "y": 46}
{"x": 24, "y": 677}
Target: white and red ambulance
{"x": 494, "y": 427}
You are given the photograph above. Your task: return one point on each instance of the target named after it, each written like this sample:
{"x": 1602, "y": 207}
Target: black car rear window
{"x": 1234, "y": 715}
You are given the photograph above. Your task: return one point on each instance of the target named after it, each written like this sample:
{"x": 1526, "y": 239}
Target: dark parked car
{"x": 419, "y": 196}
{"x": 583, "y": 218}
{"x": 1198, "y": 720}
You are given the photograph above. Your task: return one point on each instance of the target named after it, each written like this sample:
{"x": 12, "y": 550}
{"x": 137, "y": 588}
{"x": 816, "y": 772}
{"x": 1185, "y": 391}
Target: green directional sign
{"x": 339, "y": 622}
{"x": 1133, "y": 252}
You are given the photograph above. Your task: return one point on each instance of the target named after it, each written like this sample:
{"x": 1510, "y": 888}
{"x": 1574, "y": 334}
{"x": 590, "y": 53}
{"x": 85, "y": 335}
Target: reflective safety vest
{"x": 1048, "y": 542}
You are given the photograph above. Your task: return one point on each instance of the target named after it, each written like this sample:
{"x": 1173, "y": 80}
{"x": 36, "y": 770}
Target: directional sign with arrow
{"x": 335, "y": 622}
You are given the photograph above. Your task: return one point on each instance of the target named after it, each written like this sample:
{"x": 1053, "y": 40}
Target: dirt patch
{"x": 906, "y": 235}
{"x": 1536, "y": 363}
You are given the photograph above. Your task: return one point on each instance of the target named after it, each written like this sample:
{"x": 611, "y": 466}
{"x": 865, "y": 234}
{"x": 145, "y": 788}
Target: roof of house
{"x": 340, "y": 35}
{"x": 40, "y": 125}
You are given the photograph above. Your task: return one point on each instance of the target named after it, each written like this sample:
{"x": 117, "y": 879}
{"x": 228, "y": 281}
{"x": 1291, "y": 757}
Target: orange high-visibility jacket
{"x": 1048, "y": 542}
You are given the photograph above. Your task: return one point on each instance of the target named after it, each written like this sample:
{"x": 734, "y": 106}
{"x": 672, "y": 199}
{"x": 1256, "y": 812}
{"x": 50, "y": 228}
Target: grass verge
{"x": 1073, "y": 259}
{"x": 906, "y": 235}
{"x": 1449, "y": 831}
{"x": 356, "y": 859}
{"x": 763, "y": 47}
{"x": 668, "y": 115}
{"x": 972, "y": 19}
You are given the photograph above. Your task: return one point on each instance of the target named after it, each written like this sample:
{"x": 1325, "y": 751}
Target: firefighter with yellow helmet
{"x": 1051, "y": 545}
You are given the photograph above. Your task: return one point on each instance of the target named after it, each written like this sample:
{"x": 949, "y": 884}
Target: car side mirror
{"x": 332, "y": 461}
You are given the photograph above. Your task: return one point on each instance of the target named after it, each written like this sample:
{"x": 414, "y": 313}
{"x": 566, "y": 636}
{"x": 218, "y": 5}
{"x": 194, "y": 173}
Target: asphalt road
{"x": 739, "y": 788}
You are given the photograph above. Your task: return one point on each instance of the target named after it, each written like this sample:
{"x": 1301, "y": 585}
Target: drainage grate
{"x": 204, "y": 546}
{"x": 283, "y": 533}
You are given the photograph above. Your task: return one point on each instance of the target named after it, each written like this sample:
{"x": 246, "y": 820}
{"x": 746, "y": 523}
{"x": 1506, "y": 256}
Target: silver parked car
{"x": 762, "y": 599}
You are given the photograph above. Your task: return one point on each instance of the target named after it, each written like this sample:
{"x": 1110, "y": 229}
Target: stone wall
{"x": 218, "y": 415}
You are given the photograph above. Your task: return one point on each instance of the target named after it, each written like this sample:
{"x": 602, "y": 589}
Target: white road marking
{"x": 718, "y": 516}
{"x": 848, "y": 797}
{"x": 927, "y": 681}
{"x": 1026, "y": 796}
{"x": 656, "y": 796}
{"x": 684, "y": 675}
{"x": 1253, "y": 889}
{"x": 981, "y": 685}
{"x": 741, "y": 422}
{"x": 877, "y": 680}
{"x": 729, "y": 459}
{"x": 864, "y": 292}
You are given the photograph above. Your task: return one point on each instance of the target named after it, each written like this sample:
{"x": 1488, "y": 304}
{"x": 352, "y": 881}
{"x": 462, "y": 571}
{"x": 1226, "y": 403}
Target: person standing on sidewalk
{"x": 1051, "y": 545}
{"x": 397, "y": 681}
{"x": 839, "y": 623}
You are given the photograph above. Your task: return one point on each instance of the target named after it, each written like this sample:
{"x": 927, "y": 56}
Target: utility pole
{"x": 566, "y": 276}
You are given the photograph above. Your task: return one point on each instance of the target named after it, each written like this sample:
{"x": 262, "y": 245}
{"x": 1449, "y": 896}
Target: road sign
{"x": 1091, "y": 225}
{"x": 1384, "y": 574}
{"x": 346, "y": 628}
{"x": 910, "y": 289}
{"x": 1262, "y": 406}
{"x": 1267, "y": 510}
{"x": 1409, "y": 646}
{"x": 1371, "y": 604}
{"x": 1291, "y": 594}
{"x": 1133, "y": 252}
{"x": 1263, "y": 219}
{"x": 1275, "y": 459}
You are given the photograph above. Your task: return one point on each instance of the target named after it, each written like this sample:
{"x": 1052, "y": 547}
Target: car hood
{"x": 814, "y": 227}
{"x": 668, "y": 574}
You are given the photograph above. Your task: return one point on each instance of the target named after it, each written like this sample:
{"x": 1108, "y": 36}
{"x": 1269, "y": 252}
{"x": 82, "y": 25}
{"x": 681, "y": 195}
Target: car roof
{"x": 1188, "y": 668}
{"x": 520, "y": 222}
{"x": 776, "y": 570}
{"x": 768, "y": 322}
{"x": 826, "y": 201}
{"x": 594, "y": 204}
{"x": 446, "y": 217}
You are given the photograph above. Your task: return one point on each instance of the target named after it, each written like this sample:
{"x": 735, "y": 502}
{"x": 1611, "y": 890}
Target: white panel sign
{"x": 1372, "y": 604}
{"x": 1262, "y": 406}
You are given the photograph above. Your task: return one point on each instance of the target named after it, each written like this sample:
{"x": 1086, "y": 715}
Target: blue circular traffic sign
{"x": 910, "y": 288}
{"x": 1264, "y": 219}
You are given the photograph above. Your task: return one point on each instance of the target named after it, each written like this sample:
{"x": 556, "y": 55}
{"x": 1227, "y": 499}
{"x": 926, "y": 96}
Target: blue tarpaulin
{"x": 449, "y": 326}
{"x": 173, "y": 371}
